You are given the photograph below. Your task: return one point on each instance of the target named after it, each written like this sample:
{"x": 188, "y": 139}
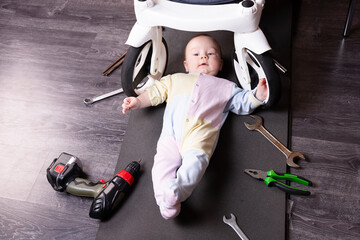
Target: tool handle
{"x": 109, "y": 94}
{"x": 289, "y": 177}
{"x": 274, "y": 141}
{"x": 85, "y": 188}
{"x": 283, "y": 187}
{"x": 240, "y": 233}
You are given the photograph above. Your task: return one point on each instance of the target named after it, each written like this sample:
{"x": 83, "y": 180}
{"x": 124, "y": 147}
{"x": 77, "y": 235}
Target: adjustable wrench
{"x": 232, "y": 223}
{"x": 89, "y": 101}
{"x": 290, "y": 156}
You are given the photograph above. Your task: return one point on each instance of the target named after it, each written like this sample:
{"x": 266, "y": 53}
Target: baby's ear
{"x": 222, "y": 63}
{"x": 186, "y": 66}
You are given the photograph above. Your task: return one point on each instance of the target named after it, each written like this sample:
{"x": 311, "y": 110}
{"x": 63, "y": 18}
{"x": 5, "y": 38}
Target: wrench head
{"x": 231, "y": 220}
{"x": 292, "y": 156}
{"x": 88, "y": 101}
{"x": 256, "y": 125}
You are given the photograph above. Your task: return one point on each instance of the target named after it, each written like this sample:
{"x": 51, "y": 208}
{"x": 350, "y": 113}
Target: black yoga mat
{"x": 225, "y": 188}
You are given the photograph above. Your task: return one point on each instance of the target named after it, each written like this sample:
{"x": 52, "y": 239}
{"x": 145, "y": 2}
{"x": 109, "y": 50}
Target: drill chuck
{"x": 113, "y": 194}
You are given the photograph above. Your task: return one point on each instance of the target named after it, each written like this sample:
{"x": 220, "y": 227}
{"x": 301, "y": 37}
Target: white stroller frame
{"x": 242, "y": 18}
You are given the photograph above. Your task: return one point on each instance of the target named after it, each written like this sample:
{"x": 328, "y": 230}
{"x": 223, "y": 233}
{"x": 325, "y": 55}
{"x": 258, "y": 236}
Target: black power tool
{"x": 65, "y": 174}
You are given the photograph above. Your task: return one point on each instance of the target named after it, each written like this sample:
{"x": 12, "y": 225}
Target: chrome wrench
{"x": 232, "y": 223}
{"x": 290, "y": 156}
{"x": 89, "y": 101}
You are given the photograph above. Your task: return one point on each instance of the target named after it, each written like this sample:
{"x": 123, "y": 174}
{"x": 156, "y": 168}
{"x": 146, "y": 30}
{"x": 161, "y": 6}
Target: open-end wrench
{"x": 89, "y": 101}
{"x": 289, "y": 154}
{"x": 232, "y": 223}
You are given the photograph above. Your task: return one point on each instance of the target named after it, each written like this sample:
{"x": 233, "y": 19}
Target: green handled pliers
{"x": 271, "y": 179}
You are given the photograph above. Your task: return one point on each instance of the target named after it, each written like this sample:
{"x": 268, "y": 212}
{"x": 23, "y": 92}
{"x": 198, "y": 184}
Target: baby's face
{"x": 202, "y": 55}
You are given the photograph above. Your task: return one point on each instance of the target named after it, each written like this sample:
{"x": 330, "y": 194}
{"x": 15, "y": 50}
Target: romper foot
{"x": 170, "y": 207}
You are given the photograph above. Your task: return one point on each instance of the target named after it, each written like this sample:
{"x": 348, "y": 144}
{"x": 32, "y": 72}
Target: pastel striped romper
{"x": 197, "y": 106}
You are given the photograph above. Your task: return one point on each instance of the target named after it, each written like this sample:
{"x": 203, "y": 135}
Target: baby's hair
{"x": 204, "y": 35}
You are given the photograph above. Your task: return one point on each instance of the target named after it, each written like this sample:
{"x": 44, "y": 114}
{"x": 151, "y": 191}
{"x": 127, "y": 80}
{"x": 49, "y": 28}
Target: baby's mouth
{"x": 204, "y": 64}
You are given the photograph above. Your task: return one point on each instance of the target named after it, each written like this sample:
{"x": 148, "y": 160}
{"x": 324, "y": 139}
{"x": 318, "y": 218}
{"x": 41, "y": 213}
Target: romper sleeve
{"x": 158, "y": 92}
{"x": 242, "y": 101}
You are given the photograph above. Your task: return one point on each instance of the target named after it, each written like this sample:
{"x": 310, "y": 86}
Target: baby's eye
{"x": 196, "y": 54}
{"x": 211, "y": 53}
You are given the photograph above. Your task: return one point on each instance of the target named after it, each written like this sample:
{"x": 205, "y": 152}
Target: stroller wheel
{"x": 262, "y": 66}
{"x": 136, "y": 67}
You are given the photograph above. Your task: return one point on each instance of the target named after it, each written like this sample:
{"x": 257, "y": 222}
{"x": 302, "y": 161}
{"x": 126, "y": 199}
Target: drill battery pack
{"x": 63, "y": 170}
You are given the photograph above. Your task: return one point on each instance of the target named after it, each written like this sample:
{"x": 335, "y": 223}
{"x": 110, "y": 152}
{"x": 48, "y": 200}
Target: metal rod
{"x": 349, "y": 18}
{"x": 114, "y": 65}
{"x": 280, "y": 67}
{"x": 89, "y": 101}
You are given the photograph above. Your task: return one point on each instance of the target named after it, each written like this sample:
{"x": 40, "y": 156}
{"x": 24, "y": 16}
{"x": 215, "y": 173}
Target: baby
{"x": 198, "y": 103}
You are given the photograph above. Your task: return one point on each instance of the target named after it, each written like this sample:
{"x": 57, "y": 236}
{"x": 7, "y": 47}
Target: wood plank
{"x": 325, "y": 125}
{"x": 52, "y": 56}
{"x": 332, "y": 211}
{"x": 23, "y": 220}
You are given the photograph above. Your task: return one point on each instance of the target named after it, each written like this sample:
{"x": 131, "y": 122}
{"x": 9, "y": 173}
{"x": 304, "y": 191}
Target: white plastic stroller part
{"x": 242, "y": 18}
{"x": 233, "y": 17}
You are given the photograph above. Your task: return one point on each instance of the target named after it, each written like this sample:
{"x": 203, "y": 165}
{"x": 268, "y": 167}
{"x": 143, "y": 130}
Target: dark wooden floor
{"x": 325, "y": 121}
{"x": 52, "y": 57}
{"x": 52, "y": 54}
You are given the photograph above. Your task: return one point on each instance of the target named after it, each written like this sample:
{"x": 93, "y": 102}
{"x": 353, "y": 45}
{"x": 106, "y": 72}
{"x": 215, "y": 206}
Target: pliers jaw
{"x": 257, "y": 174}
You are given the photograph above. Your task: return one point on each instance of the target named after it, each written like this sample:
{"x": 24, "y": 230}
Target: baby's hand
{"x": 130, "y": 103}
{"x": 261, "y": 91}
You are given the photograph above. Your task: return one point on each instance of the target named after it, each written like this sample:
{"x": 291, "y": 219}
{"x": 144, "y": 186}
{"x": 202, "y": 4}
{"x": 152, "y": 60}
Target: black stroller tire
{"x": 138, "y": 60}
{"x": 263, "y": 66}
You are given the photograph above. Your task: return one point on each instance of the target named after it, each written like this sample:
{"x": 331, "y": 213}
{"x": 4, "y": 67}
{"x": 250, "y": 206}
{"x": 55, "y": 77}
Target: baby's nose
{"x": 204, "y": 56}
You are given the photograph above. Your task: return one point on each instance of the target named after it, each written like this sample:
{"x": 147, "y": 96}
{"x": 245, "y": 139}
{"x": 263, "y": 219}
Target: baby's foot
{"x": 170, "y": 207}
{"x": 168, "y": 211}
{"x": 170, "y": 197}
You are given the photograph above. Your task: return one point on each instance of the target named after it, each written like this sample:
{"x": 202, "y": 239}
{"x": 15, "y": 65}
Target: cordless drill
{"x": 65, "y": 174}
